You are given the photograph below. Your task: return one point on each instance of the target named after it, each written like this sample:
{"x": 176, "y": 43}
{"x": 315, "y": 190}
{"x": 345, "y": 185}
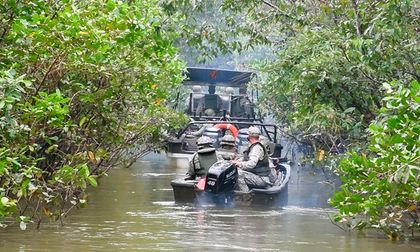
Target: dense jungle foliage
{"x": 83, "y": 88}
{"x": 326, "y": 86}
{"x": 84, "y": 84}
{"x": 382, "y": 184}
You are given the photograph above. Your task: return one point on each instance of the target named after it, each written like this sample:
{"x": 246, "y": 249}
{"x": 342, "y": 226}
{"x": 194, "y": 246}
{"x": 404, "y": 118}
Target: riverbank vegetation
{"x": 83, "y": 84}
{"x": 381, "y": 184}
{"x": 340, "y": 66}
{"x": 83, "y": 88}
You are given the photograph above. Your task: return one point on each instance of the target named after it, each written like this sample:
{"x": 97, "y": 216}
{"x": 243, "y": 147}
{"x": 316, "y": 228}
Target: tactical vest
{"x": 227, "y": 154}
{"x": 205, "y": 160}
{"x": 263, "y": 166}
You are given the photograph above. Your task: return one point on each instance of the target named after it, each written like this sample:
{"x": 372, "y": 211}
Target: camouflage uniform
{"x": 254, "y": 169}
{"x": 242, "y": 107}
{"x": 227, "y": 151}
{"x": 205, "y": 157}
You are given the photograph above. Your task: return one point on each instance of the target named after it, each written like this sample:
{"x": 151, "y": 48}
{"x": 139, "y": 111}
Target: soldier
{"x": 230, "y": 91}
{"x": 241, "y": 105}
{"x": 210, "y": 100}
{"x": 254, "y": 169}
{"x": 202, "y": 160}
{"x": 226, "y": 100}
{"x": 227, "y": 150}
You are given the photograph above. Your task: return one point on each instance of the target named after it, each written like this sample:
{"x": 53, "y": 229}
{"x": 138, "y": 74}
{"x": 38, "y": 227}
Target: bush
{"x": 381, "y": 187}
{"x": 83, "y": 87}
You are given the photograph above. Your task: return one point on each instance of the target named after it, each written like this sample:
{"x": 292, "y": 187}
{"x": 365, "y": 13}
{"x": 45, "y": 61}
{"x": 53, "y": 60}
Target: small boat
{"x": 219, "y": 189}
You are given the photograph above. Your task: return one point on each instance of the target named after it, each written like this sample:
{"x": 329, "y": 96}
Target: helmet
{"x": 230, "y": 91}
{"x": 196, "y": 89}
{"x": 209, "y": 112}
{"x": 254, "y": 131}
{"x": 228, "y": 140}
{"x": 203, "y": 141}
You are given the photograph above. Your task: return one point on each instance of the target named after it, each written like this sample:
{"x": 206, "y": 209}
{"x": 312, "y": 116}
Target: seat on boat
{"x": 194, "y": 101}
{"x": 209, "y": 101}
{"x": 225, "y": 103}
{"x": 270, "y": 148}
{"x": 190, "y": 143}
{"x": 258, "y": 187}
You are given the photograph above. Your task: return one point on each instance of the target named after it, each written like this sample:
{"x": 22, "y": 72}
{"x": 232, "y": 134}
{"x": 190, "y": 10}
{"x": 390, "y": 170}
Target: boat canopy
{"x": 217, "y": 77}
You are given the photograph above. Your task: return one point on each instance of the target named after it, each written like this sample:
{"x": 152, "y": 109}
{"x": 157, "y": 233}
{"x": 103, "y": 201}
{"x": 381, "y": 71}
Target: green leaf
{"x": 3, "y": 165}
{"x": 14, "y": 161}
{"x": 349, "y": 110}
{"x": 375, "y": 128}
{"x": 51, "y": 149}
{"x": 82, "y": 121}
{"x": 92, "y": 181}
{"x": 393, "y": 122}
{"x": 84, "y": 171}
{"x": 396, "y": 139}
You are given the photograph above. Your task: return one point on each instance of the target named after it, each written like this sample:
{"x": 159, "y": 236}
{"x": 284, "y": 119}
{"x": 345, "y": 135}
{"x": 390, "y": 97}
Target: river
{"x": 133, "y": 209}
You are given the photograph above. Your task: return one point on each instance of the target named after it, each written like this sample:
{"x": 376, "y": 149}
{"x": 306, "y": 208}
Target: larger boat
{"x": 214, "y": 112}
{"x": 235, "y": 103}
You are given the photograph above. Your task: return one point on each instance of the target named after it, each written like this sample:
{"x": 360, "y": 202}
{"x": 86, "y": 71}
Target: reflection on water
{"x": 133, "y": 209}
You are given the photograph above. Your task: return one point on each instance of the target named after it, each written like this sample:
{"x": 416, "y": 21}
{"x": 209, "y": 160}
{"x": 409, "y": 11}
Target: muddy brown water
{"x": 133, "y": 210}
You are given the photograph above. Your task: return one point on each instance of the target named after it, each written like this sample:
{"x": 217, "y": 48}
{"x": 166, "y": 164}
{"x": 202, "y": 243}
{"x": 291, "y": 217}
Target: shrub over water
{"x": 83, "y": 87}
{"x": 381, "y": 187}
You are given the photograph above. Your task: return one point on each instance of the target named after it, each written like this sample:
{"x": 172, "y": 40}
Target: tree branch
{"x": 357, "y": 17}
{"x": 269, "y": 4}
{"x": 46, "y": 75}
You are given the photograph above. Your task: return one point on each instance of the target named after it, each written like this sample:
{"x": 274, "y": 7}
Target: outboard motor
{"x": 221, "y": 180}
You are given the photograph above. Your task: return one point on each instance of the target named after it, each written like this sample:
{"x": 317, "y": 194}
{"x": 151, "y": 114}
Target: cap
{"x": 254, "y": 131}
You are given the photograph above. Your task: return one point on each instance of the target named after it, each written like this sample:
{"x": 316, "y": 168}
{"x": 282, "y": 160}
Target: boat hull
{"x": 185, "y": 191}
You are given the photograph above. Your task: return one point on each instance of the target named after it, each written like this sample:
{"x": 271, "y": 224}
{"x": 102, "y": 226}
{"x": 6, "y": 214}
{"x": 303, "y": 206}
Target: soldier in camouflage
{"x": 202, "y": 160}
{"x": 254, "y": 169}
{"x": 227, "y": 150}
